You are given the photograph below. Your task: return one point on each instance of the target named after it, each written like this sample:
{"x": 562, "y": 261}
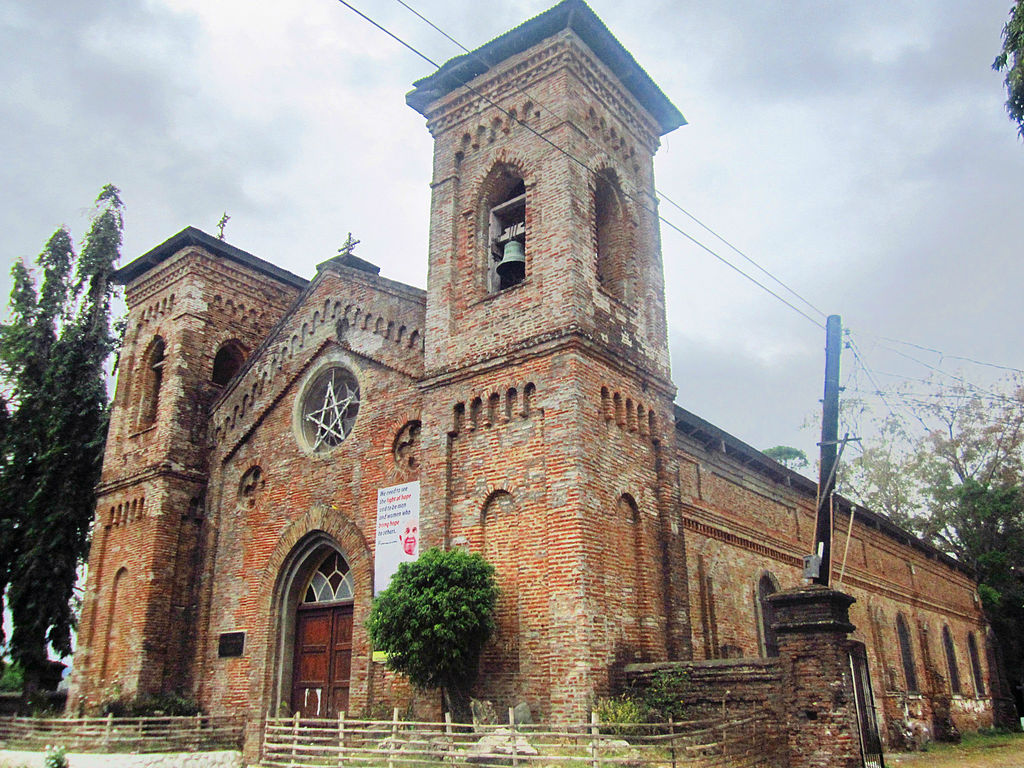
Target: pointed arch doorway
{"x": 322, "y": 656}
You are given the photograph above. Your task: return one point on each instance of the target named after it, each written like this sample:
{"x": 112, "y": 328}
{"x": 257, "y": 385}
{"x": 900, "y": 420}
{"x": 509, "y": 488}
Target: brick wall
{"x": 746, "y": 516}
{"x": 137, "y": 629}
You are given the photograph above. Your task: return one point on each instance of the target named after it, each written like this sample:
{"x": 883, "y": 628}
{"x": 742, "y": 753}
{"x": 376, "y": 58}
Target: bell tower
{"x": 546, "y": 355}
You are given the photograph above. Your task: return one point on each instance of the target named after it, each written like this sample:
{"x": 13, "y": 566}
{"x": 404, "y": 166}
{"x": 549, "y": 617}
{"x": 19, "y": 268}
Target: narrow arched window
{"x": 979, "y": 678}
{"x": 611, "y": 236}
{"x": 766, "y": 586}
{"x": 152, "y": 380}
{"x": 227, "y": 362}
{"x": 113, "y": 650}
{"x": 505, "y": 201}
{"x": 631, "y": 553}
{"x": 906, "y": 654}
{"x": 951, "y": 665}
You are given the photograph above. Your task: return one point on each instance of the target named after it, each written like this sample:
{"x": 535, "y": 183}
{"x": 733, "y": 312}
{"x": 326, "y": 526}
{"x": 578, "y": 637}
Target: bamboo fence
{"x": 746, "y": 743}
{"x": 201, "y": 733}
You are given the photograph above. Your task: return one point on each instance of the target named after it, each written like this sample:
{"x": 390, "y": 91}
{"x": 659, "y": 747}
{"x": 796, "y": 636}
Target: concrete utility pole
{"x": 829, "y": 448}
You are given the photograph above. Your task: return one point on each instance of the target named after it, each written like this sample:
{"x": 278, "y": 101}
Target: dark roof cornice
{"x": 714, "y": 438}
{"x": 569, "y": 14}
{"x": 190, "y": 236}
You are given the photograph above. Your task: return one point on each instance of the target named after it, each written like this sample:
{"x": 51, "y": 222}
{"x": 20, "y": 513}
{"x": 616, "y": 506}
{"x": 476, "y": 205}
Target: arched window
{"x": 979, "y": 678}
{"x": 505, "y": 203}
{"x": 954, "y": 671}
{"x": 227, "y": 362}
{"x": 629, "y": 532}
{"x": 331, "y": 582}
{"x": 906, "y": 654}
{"x": 766, "y": 586}
{"x": 611, "y": 234}
{"x": 152, "y": 379}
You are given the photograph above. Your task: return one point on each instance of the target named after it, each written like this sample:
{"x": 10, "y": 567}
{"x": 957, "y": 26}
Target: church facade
{"x": 523, "y": 402}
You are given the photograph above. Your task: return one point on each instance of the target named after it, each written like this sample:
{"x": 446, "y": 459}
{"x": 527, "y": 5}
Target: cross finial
{"x": 221, "y": 224}
{"x": 348, "y": 246}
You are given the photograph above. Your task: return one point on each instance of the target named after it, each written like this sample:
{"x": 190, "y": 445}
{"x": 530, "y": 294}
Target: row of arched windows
{"x": 631, "y": 416}
{"x": 767, "y": 585}
{"x": 226, "y": 363}
{"x": 497, "y": 408}
{"x": 909, "y": 664}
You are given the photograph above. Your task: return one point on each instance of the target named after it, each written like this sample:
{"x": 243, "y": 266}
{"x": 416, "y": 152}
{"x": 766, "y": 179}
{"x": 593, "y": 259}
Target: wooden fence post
{"x": 515, "y": 737}
{"x": 107, "y": 730}
{"x": 449, "y": 736}
{"x": 672, "y": 739}
{"x": 394, "y": 738}
{"x": 594, "y": 738}
{"x": 295, "y": 736}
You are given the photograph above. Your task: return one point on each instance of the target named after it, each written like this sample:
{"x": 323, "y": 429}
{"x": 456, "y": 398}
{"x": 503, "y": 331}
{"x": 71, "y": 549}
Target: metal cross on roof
{"x": 348, "y": 246}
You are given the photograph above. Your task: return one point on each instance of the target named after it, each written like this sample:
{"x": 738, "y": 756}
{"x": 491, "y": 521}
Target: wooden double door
{"x": 323, "y": 660}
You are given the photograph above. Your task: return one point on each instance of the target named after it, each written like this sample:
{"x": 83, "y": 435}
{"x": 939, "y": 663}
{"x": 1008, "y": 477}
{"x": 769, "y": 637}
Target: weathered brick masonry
{"x": 531, "y": 398}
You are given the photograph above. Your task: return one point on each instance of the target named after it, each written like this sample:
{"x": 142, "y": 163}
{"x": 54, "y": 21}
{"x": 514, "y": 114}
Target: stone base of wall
{"x": 221, "y": 759}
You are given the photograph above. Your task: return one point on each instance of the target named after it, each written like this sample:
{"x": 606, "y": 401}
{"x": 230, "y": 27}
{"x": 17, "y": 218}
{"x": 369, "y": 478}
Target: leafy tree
{"x": 952, "y": 471}
{"x": 434, "y": 619}
{"x": 53, "y": 428}
{"x": 1011, "y": 59}
{"x": 787, "y": 456}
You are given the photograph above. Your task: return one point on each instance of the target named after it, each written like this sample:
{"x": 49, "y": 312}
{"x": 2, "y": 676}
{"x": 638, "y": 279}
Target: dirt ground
{"x": 989, "y": 751}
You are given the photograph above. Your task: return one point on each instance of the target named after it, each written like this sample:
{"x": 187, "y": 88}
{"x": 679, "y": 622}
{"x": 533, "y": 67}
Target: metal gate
{"x": 870, "y": 742}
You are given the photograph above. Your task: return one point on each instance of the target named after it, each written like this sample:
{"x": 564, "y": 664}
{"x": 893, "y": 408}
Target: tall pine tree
{"x": 53, "y": 428}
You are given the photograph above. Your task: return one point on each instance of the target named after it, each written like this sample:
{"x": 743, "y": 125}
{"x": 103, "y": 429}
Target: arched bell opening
{"x": 314, "y": 609}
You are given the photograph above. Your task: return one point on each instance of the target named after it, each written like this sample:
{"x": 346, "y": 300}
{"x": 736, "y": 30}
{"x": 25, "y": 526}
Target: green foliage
{"x": 953, "y": 473}
{"x": 52, "y": 426}
{"x": 435, "y": 617}
{"x": 55, "y": 757}
{"x": 12, "y": 679}
{"x": 664, "y": 695}
{"x": 147, "y": 705}
{"x": 1011, "y": 60}
{"x": 626, "y": 713}
{"x": 787, "y": 456}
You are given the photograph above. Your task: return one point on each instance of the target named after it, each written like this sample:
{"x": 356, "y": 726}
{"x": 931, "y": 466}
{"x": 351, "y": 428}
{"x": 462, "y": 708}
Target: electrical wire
{"x": 583, "y": 165}
{"x": 858, "y": 355}
{"x": 944, "y": 356}
{"x": 540, "y": 103}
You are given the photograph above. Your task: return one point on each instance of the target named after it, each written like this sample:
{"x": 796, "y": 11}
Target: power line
{"x": 736, "y": 250}
{"x": 659, "y": 192}
{"x": 944, "y": 356}
{"x": 641, "y": 202}
{"x": 583, "y": 165}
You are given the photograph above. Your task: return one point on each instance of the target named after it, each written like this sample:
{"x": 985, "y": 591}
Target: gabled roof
{"x": 190, "y": 236}
{"x": 569, "y": 14}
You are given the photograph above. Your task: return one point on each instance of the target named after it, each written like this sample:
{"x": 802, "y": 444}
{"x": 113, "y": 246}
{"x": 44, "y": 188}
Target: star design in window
{"x": 330, "y": 408}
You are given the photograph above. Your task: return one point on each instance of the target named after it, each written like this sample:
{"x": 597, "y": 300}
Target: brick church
{"x": 521, "y": 406}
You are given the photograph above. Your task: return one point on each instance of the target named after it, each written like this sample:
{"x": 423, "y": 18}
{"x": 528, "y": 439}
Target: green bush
{"x": 434, "y": 619}
{"x": 664, "y": 695}
{"x": 624, "y": 714}
{"x": 12, "y": 678}
{"x": 55, "y": 757}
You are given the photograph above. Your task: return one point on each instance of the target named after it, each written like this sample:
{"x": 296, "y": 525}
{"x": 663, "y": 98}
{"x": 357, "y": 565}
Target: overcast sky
{"x": 858, "y": 150}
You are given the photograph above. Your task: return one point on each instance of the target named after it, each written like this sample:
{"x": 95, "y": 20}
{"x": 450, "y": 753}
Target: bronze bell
{"x": 512, "y": 267}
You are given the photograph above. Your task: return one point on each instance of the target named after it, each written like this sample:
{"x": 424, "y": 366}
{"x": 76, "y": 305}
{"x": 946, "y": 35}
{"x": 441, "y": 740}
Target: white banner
{"x": 398, "y": 531}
